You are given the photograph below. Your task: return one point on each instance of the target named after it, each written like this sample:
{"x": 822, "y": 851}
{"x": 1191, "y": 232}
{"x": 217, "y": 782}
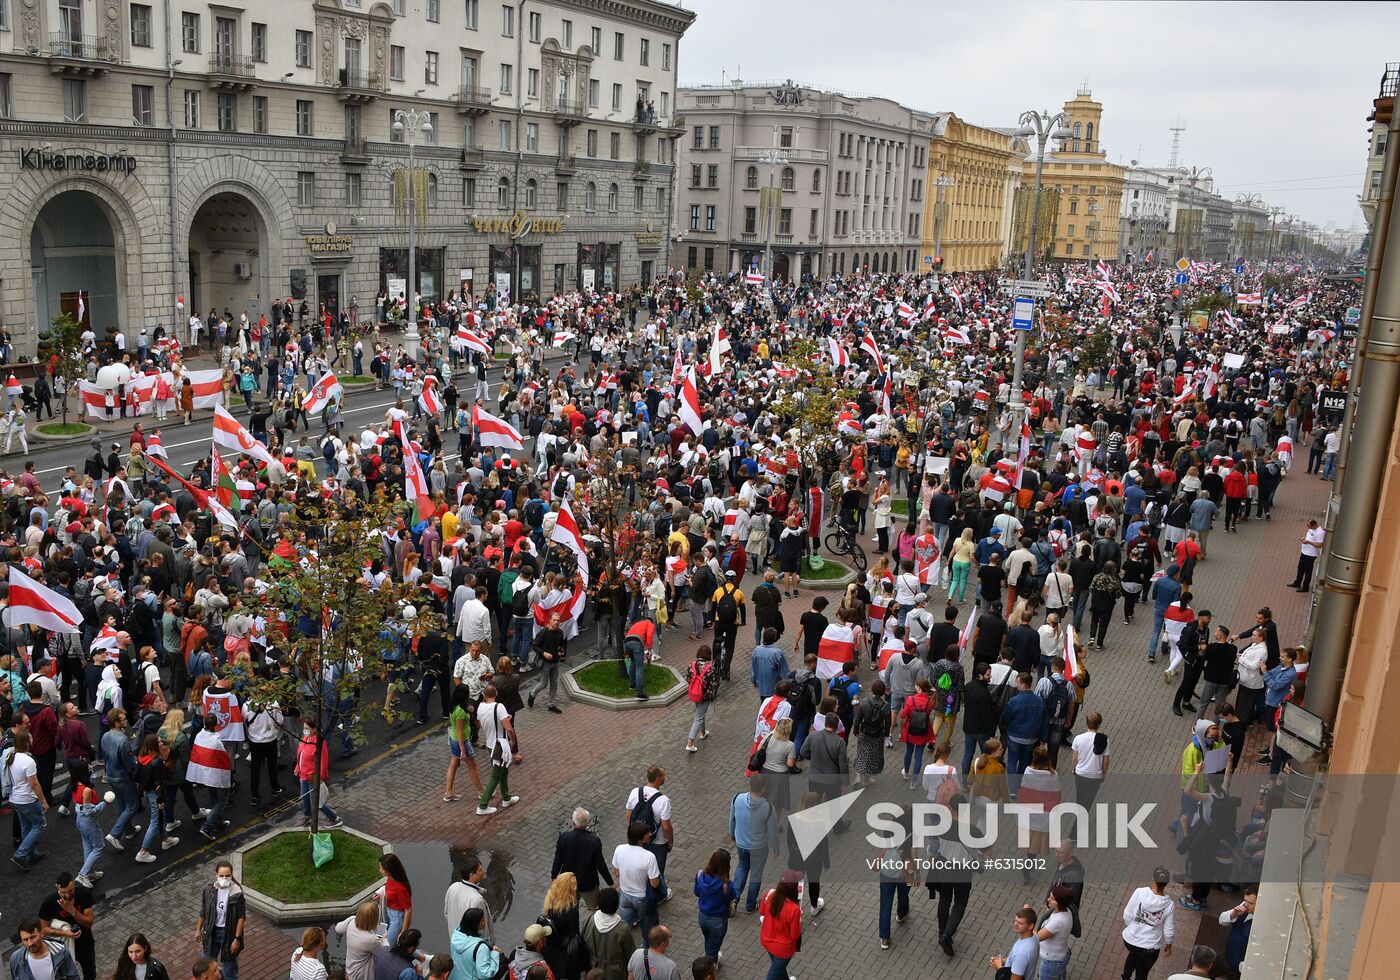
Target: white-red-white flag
{"x": 33, "y": 604}
{"x": 839, "y": 357}
{"x": 321, "y": 394}
{"x": 566, "y": 532}
{"x": 868, "y": 345}
{"x": 229, "y": 434}
{"x": 689, "y": 408}
{"x": 491, "y": 431}
{"x": 957, "y": 296}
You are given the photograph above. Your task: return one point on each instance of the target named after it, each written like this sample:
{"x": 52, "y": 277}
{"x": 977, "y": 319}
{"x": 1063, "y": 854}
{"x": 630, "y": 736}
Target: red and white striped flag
{"x": 839, "y": 357}
{"x": 868, "y": 345}
{"x": 753, "y": 277}
{"x": 965, "y": 637}
{"x": 33, "y": 604}
{"x": 321, "y": 393}
{"x": 430, "y": 400}
{"x": 471, "y": 341}
{"x": 155, "y": 448}
{"x": 1071, "y": 660}
{"x": 231, "y": 435}
{"x": 207, "y": 386}
{"x": 1248, "y": 299}
{"x": 566, "y": 532}
{"x": 1188, "y": 394}
{"x": 837, "y": 647}
{"x": 905, "y": 311}
{"x": 957, "y": 296}
{"x": 1303, "y": 300}
{"x": 569, "y": 608}
{"x": 956, "y": 335}
{"x": 562, "y": 337}
{"x": 689, "y": 408}
{"x": 1101, "y": 267}
{"x": 677, "y": 369}
{"x": 1109, "y": 291}
{"x": 928, "y": 310}
{"x": 210, "y": 763}
{"x": 491, "y": 431}
{"x": 106, "y": 639}
{"x": 719, "y": 344}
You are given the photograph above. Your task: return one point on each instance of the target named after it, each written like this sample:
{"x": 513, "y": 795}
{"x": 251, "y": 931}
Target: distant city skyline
{"x": 1147, "y": 63}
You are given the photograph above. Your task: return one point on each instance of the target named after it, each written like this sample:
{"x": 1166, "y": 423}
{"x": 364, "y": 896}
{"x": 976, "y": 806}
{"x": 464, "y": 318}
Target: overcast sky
{"x": 1274, "y": 95}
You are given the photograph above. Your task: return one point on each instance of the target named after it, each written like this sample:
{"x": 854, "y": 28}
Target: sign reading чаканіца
{"x": 37, "y": 159}
{"x": 518, "y": 225}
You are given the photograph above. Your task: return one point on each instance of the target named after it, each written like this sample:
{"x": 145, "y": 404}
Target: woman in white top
{"x": 362, "y": 937}
{"x": 1251, "y": 668}
{"x": 939, "y": 771}
{"x": 1054, "y": 933}
{"x": 306, "y": 959}
{"x": 1052, "y": 641}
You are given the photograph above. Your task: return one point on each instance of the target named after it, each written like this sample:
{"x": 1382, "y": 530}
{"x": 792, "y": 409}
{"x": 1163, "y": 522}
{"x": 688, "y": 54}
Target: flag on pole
{"x": 225, "y": 488}
{"x": 491, "y": 431}
{"x": 965, "y": 637}
{"x": 201, "y": 497}
{"x": 562, "y": 337}
{"x": 1023, "y": 452}
{"x": 677, "y": 370}
{"x": 321, "y": 393}
{"x": 1071, "y": 660}
{"x": 33, "y": 604}
{"x": 1101, "y": 267}
{"x": 868, "y": 345}
{"x": 82, "y": 307}
{"x": 839, "y": 357}
{"x": 719, "y": 344}
{"x": 566, "y": 532}
{"x": 1108, "y": 290}
{"x": 957, "y": 296}
{"x": 928, "y": 310}
{"x": 229, "y": 434}
{"x": 689, "y": 409}
{"x": 905, "y": 311}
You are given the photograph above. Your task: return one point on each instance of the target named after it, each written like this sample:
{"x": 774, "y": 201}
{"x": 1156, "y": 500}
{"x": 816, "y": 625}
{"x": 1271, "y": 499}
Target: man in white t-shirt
{"x": 663, "y": 838}
{"x": 1308, "y": 550}
{"x": 493, "y": 721}
{"x": 1089, "y": 752}
{"x": 637, "y": 875}
{"x": 28, "y": 800}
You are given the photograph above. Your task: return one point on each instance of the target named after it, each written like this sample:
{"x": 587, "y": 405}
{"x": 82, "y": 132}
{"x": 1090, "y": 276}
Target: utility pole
{"x": 775, "y": 158}
{"x": 408, "y": 123}
{"x": 940, "y": 182}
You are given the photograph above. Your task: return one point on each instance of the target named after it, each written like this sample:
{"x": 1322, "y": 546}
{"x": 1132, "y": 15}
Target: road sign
{"x": 928, "y": 260}
{"x": 1349, "y": 331}
{"x": 1353, "y": 316}
{"x": 1181, "y": 278}
{"x": 1183, "y": 264}
{"x": 1027, "y": 287}
{"x": 1332, "y": 402}
{"x": 1025, "y": 310}
{"x": 1239, "y": 267}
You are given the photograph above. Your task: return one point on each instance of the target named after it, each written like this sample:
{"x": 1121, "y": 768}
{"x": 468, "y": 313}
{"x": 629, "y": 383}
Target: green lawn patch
{"x": 831, "y": 569}
{"x": 900, "y": 507}
{"x": 64, "y": 428}
{"x": 282, "y": 868}
{"x": 601, "y": 678}
{"x": 356, "y": 379}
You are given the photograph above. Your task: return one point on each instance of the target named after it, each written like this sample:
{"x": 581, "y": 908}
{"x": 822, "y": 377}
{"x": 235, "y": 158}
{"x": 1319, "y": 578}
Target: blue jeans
{"x": 889, "y": 891}
{"x": 1081, "y": 601}
{"x": 751, "y": 862}
{"x": 639, "y": 911}
{"x": 800, "y": 731}
{"x": 523, "y": 632}
{"x": 128, "y": 798}
{"x": 228, "y": 968}
{"x": 1054, "y": 969}
{"x": 916, "y": 753}
{"x": 636, "y": 670}
{"x": 777, "y": 969}
{"x": 218, "y": 796}
{"x": 1329, "y": 465}
{"x": 396, "y": 917}
{"x": 713, "y": 928}
{"x": 1018, "y": 756}
{"x": 31, "y": 826}
{"x": 90, "y": 831}
{"x": 1158, "y": 618}
{"x": 152, "y": 837}
{"x": 307, "y": 794}
{"x": 972, "y": 742}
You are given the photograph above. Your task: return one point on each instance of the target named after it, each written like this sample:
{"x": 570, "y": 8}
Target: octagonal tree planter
{"x": 628, "y": 702}
{"x": 291, "y": 913}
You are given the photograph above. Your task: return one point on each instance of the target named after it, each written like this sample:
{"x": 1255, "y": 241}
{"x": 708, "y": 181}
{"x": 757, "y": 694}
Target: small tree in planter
{"x": 337, "y": 628}
{"x": 65, "y": 347}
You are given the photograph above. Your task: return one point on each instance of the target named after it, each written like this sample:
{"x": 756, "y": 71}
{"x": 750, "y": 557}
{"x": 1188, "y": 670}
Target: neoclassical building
{"x": 230, "y": 155}
{"x": 979, "y": 169}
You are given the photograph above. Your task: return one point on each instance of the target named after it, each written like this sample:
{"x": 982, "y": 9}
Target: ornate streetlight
{"x": 408, "y": 124}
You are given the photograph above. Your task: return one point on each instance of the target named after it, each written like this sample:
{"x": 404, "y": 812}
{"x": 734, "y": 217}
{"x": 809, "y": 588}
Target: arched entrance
{"x": 780, "y": 266}
{"x": 72, "y": 250}
{"x": 228, "y": 240}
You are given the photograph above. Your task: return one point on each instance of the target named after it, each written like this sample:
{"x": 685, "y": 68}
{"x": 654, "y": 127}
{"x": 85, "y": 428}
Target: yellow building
{"x": 975, "y": 170}
{"x": 1091, "y": 189}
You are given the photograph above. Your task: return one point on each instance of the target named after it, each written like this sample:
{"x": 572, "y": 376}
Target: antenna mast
{"x": 1178, "y": 126}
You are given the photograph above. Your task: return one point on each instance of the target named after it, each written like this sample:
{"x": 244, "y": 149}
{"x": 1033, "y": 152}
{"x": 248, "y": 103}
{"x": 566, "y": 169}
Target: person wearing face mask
{"x": 222, "y": 917}
{"x": 306, "y": 774}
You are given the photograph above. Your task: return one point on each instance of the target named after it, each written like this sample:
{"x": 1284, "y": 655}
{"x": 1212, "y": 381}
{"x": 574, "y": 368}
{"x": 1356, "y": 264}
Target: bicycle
{"x": 842, "y": 541}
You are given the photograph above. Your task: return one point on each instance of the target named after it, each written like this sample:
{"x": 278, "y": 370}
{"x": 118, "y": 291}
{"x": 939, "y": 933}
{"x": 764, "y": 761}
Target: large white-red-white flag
{"x": 229, "y": 434}
{"x": 689, "y": 409}
{"x": 491, "y": 431}
{"x": 566, "y": 532}
{"x": 719, "y": 345}
{"x": 836, "y": 648}
{"x": 839, "y": 357}
{"x": 321, "y": 393}
{"x": 471, "y": 341}
{"x": 429, "y": 399}
{"x": 868, "y": 345}
{"x": 33, "y": 604}
{"x": 957, "y": 296}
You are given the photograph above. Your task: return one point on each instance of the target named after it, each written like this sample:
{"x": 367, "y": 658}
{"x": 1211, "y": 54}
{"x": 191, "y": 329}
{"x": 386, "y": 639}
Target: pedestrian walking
{"x": 714, "y": 893}
{"x": 702, "y": 688}
{"x": 1148, "y": 926}
{"x": 780, "y": 931}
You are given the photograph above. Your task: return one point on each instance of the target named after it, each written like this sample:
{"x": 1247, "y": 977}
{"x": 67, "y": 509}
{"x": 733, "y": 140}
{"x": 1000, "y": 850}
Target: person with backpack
{"x": 702, "y": 687}
{"x": 648, "y": 806}
{"x": 1055, "y": 691}
{"x": 804, "y": 696}
{"x": 871, "y": 730}
{"x": 916, "y": 729}
{"x": 702, "y": 586}
{"x": 845, "y": 690}
{"x": 731, "y": 612}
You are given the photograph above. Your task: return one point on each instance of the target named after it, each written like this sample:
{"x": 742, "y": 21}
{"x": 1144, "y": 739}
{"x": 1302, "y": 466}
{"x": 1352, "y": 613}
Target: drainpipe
{"x": 170, "y": 170}
{"x": 1370, "y": 415}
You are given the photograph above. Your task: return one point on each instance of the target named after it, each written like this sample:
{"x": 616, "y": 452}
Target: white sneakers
{"x": 485, "y": 811}
{"x": 169, "y": 842}
{"x": 509, "y": 801}
{"x": 115, "y": 844}
{"x": 145, "y": 857}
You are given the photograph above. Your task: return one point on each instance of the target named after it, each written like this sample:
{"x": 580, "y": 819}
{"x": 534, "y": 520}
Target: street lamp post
{"x": 1043, "y": 126}
{"x": 775, "y": 158}
{"x": 408, "y": 123}
{"x": 940, "y": 182}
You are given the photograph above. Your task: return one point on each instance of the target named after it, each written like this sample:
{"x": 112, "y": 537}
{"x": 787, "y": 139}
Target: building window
{"x": 471, "y": 14}
{"x": 434, "y": 11}
{"x": 663, "y": 146}
{"x": 432, "y": 190}
{"x": 816, "y": 181}
{"x": 143, "y": 105}
{"x": 506, "y": 143}
{"x": 532, "y": 194}
{"x": 532, "y": 137}
{"x": 695, "y": 172}
{"x": 618, "y": 46}
{"x": 561, "y": 195}
{"x": 352, "y": 190}
{"x": 751, "y": 179}
{"x": 714, "y": 137}
{"x": 536, "y": 25}
{"x": 1086, "y": 249}
{"x": 788, "y": 179}
{"x": 639, "y": 195}
{"x": 304, "y": 117}
{"x": 140, "y": 25}
{"x": 191, "y": 109}
{"x": 785, "y": 136}
{"x": 612, "y": 198}
{"x": 699, "y": 142}
{"x": 785, "y": 221}
{"x": 503, "y": 192}
{"x": 644, "y": 51}
{"x": 430, "y": 67}
{"x": 227, "y": 109}
{"x": 750, "y": 221}
{"x": 590, "y": 196}
{"x": 398, "y": 8}
{"x": 566, "y": 34}
{"x": 695, "y": 217}
{"x": 303, "y": 49}
{"x": 1071, "y": 231}
{"x": 532, "y": 83}
{"x": 306, "y": 189}
{"x": 260, "y": 114}
{"x": 712, "y": 176}
{"x": 430, "y": 136}
{"x": 1381, "y": 137}
{"x": 709, "y": 217}
{"x": 614, "y": 146}
{"x": 1073, "y": 207}
{"x": 507, "y": 21}
{"x": 665, "y": 57}
{"x": 616, "y": 97}
{"x": 258, "y": 50}
{"x": 812, "y": 225}
{"x": 396, "y": 62}
{"x": 595, "y": 40}
{"x": 507, "y": 74}
{"x": 189, "y": 33}
{"x": 468, "y": 192}
{"x": 661, "y": 200}
{"x": 590, "y": 143}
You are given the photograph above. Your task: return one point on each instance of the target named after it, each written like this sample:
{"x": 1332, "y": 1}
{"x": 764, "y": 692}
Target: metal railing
{"x": 474, "y": 95}
{"x": 357, "y": 78}
{"x": 565, "y": 106}
{"x": 230, "y": 63}
{"x": 1390, "y": 81}
{"x": 355, "y": 146}
{"x": 82, "y": 47}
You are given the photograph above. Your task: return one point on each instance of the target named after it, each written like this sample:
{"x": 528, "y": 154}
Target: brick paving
{"x": 594, "y": 757}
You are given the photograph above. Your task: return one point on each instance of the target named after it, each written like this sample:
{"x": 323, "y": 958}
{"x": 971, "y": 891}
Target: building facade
{"x": 835, "y": 183}
{"x": 234, "y": 155}
{"x": 1375, "y": 146}
{"x": 1250, "y": 228}
{"x": 1090, "y": 188}
{"x": 973, "y": 173}
{"x": 1142, "y": 217}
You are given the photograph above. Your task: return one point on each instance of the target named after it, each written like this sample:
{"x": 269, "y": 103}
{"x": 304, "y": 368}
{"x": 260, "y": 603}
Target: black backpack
{"x": 643, "y": 812}
{"x": 918, "y": 720}
{"x": 520, "y": 603}
{"x": 727, "y": 609}
{"x": 1057, "y": 702}
{"x": 841, "y": 690}
{"x": 561, "y": 485}
{"x": 804, "y": 696}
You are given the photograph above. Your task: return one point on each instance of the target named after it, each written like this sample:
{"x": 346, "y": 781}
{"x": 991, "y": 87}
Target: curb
{"x": 577, "y": 693}
{"x": 300, "y": 913}
{"x": 830, "y": 584}
{"x": 52, "y": 440}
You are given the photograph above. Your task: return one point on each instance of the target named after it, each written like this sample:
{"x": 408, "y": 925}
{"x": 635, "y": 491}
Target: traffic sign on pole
{"x": 1183, "y": 264}
{"x": 1023, "y": 314}
{"x": 1353, "y": 316}
{"x": 1027, "y": 287}
{"x": 1181, "y": 278}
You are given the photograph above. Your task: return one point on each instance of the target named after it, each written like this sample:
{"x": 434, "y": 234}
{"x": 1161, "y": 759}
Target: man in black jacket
{"x": 581, "y": 851}
{"x": 980, "y": 714}
{"x": 1218, "y": 669}
{"x": 1192, "y": 636}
